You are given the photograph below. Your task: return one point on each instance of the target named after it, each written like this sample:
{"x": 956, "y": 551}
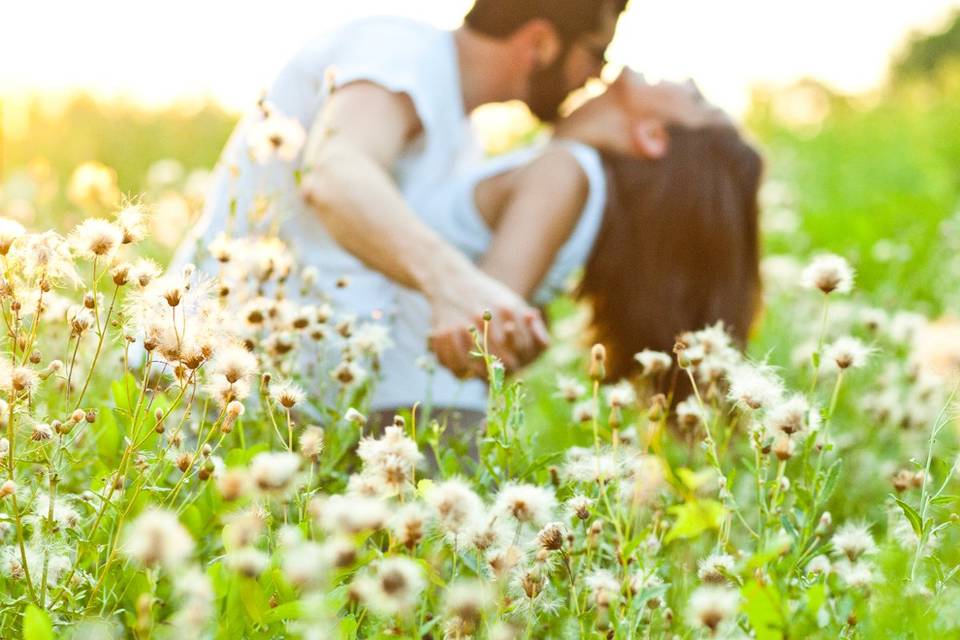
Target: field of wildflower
{"x": 192, "y": 456}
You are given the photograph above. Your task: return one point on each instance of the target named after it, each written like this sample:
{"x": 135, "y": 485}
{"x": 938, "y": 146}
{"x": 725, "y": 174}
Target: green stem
{"x": 820, "y": 339}
{"x": 11, "y": 466}
{"x": 96, "y": 354}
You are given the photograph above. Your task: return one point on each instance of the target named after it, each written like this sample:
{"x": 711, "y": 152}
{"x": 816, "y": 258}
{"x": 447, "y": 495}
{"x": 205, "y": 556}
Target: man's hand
{"x": 516, "y": 333}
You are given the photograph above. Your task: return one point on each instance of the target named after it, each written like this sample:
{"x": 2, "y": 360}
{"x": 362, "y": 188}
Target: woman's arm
{"x": 541, "y": 211}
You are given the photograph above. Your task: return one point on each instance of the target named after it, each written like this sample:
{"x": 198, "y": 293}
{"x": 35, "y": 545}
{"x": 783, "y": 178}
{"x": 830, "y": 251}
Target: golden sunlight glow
{"x": 157, "y": 52}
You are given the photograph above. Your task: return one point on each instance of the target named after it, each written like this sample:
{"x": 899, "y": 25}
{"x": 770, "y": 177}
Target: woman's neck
{"x": 598, "y": 124}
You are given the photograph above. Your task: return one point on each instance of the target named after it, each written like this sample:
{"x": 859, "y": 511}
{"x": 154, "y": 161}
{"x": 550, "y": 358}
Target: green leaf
{"x": 695, "y": 517}
{"x": 348, "y": 627}
{"x": 693, "y": 480}
{"x": 36, "y": 624}
{"x": 764, "y": 610}
{"x": 911, "y": 514}
{"x": 253, "y": 599}
{"x": 286, "y": 611}
{"x": 944, "y": 500}
{"x": 125, "y": 393}
{"x": 193, "y": 521}
{"x": 108, "y": 436}
{"x": 816, "y": 596}
{"x": 424, "y": 487}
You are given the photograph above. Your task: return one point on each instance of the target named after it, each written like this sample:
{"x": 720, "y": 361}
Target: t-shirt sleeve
{"x": 394, "y": 55}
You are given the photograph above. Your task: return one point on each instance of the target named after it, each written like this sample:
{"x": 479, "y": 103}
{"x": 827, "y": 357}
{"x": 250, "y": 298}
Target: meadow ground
{"x": 808, "y": 490}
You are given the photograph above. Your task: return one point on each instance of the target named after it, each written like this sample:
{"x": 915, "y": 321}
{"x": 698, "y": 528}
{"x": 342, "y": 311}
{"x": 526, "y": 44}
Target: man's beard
{"x": 548, "y": 90}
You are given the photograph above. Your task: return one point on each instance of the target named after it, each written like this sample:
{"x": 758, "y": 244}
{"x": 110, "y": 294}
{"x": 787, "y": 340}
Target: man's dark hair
{"x": 571, "y": 18}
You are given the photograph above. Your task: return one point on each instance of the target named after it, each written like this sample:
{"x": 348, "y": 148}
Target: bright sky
{"x": 162, "y": 51}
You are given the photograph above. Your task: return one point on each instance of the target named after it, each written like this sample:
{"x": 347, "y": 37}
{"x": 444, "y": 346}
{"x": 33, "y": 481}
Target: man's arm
{"x": 347, "y": 181}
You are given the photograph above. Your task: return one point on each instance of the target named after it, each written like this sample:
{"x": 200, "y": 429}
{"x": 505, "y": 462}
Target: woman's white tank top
{"x": 410, "y": 373}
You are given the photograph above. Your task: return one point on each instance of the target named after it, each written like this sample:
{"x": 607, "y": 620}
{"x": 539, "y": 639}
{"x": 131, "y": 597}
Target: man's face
{"x": 580, "y": 61}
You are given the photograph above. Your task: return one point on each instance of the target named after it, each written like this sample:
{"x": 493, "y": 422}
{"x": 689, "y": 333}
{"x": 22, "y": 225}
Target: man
{"x": 386, "y": 102}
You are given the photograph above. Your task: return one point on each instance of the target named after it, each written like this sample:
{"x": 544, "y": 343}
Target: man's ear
{"x": 651, "y": 140}
{"x": 539, "y": 39}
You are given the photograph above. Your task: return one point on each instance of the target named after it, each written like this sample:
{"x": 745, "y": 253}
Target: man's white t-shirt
{"x": 401, "y": 55}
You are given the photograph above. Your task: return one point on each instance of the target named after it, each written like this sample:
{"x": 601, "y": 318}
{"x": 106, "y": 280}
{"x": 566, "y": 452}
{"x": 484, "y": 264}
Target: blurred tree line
{"x": 926, "y": 54}
{"x": 119, "y": 134}
{"x": 876, "y": 176}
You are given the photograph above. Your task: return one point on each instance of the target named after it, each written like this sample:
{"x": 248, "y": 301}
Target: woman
{"x": 647, "y": 187}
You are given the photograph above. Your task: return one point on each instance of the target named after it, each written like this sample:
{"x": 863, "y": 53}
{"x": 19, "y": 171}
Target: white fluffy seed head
{"x": 710, "y": 606}
{"x": 394, "y": 588}
{"x": 716, "y": 568}
{"x": 526, "y": 504}
{"x": 853, "y": 541}
{"x": 10, "y": 231}
{"x": 790, "y": 417}
{"x": 455, "y": 506}
{"x": 276, "y": 137}
{"x": 621, "y": 395}
{"x": 248, "y": 561}
{"x": 96, "y": 238}
{"x": 604, "y": 588}
{"x": 755, "y": 387}
{"x": 288, "y": 394}
{"x": 235, "y": 363}
{"x": 467, "y": 600}
{"x": 132, "y": 221}
{"x": 653, "y": 362}
{"x": 848, "y": 353}
{"x": 828, "y": 273}
{"x": 274, "y": 471}
{"x": 354, "y": 416}
{"x": 569, "y": 388}
{"x": 552, "y": 536}
{"x": 156, "y": 537}
{"x": 311, "y": 443}
{"x": 9, "y": 487}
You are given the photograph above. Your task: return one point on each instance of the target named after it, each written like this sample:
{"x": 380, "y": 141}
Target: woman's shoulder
{"x": 566, "y": 168}
{"x": 559, "y": 169}
{"x": 570, "y": 160}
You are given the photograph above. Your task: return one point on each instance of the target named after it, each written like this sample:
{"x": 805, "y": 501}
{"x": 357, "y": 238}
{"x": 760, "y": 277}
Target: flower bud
{"x": 54, "y": 367}
{"x": 184, "y": 462}
{"x": 206, "y": 471}
{"x": 354, "y": 416}
{"x": 784, "y": 448}
{"x": 41, "y": 432}
{"x": 235, "y": 409}
{"x": 598, "y": 360}
{"x": 8, "y": 488}
{"x": 121, "y": 274}
{"x": 826, "y": 521}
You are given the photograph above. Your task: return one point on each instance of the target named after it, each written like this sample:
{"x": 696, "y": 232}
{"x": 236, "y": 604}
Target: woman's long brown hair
{"x": 678, "y": 248}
